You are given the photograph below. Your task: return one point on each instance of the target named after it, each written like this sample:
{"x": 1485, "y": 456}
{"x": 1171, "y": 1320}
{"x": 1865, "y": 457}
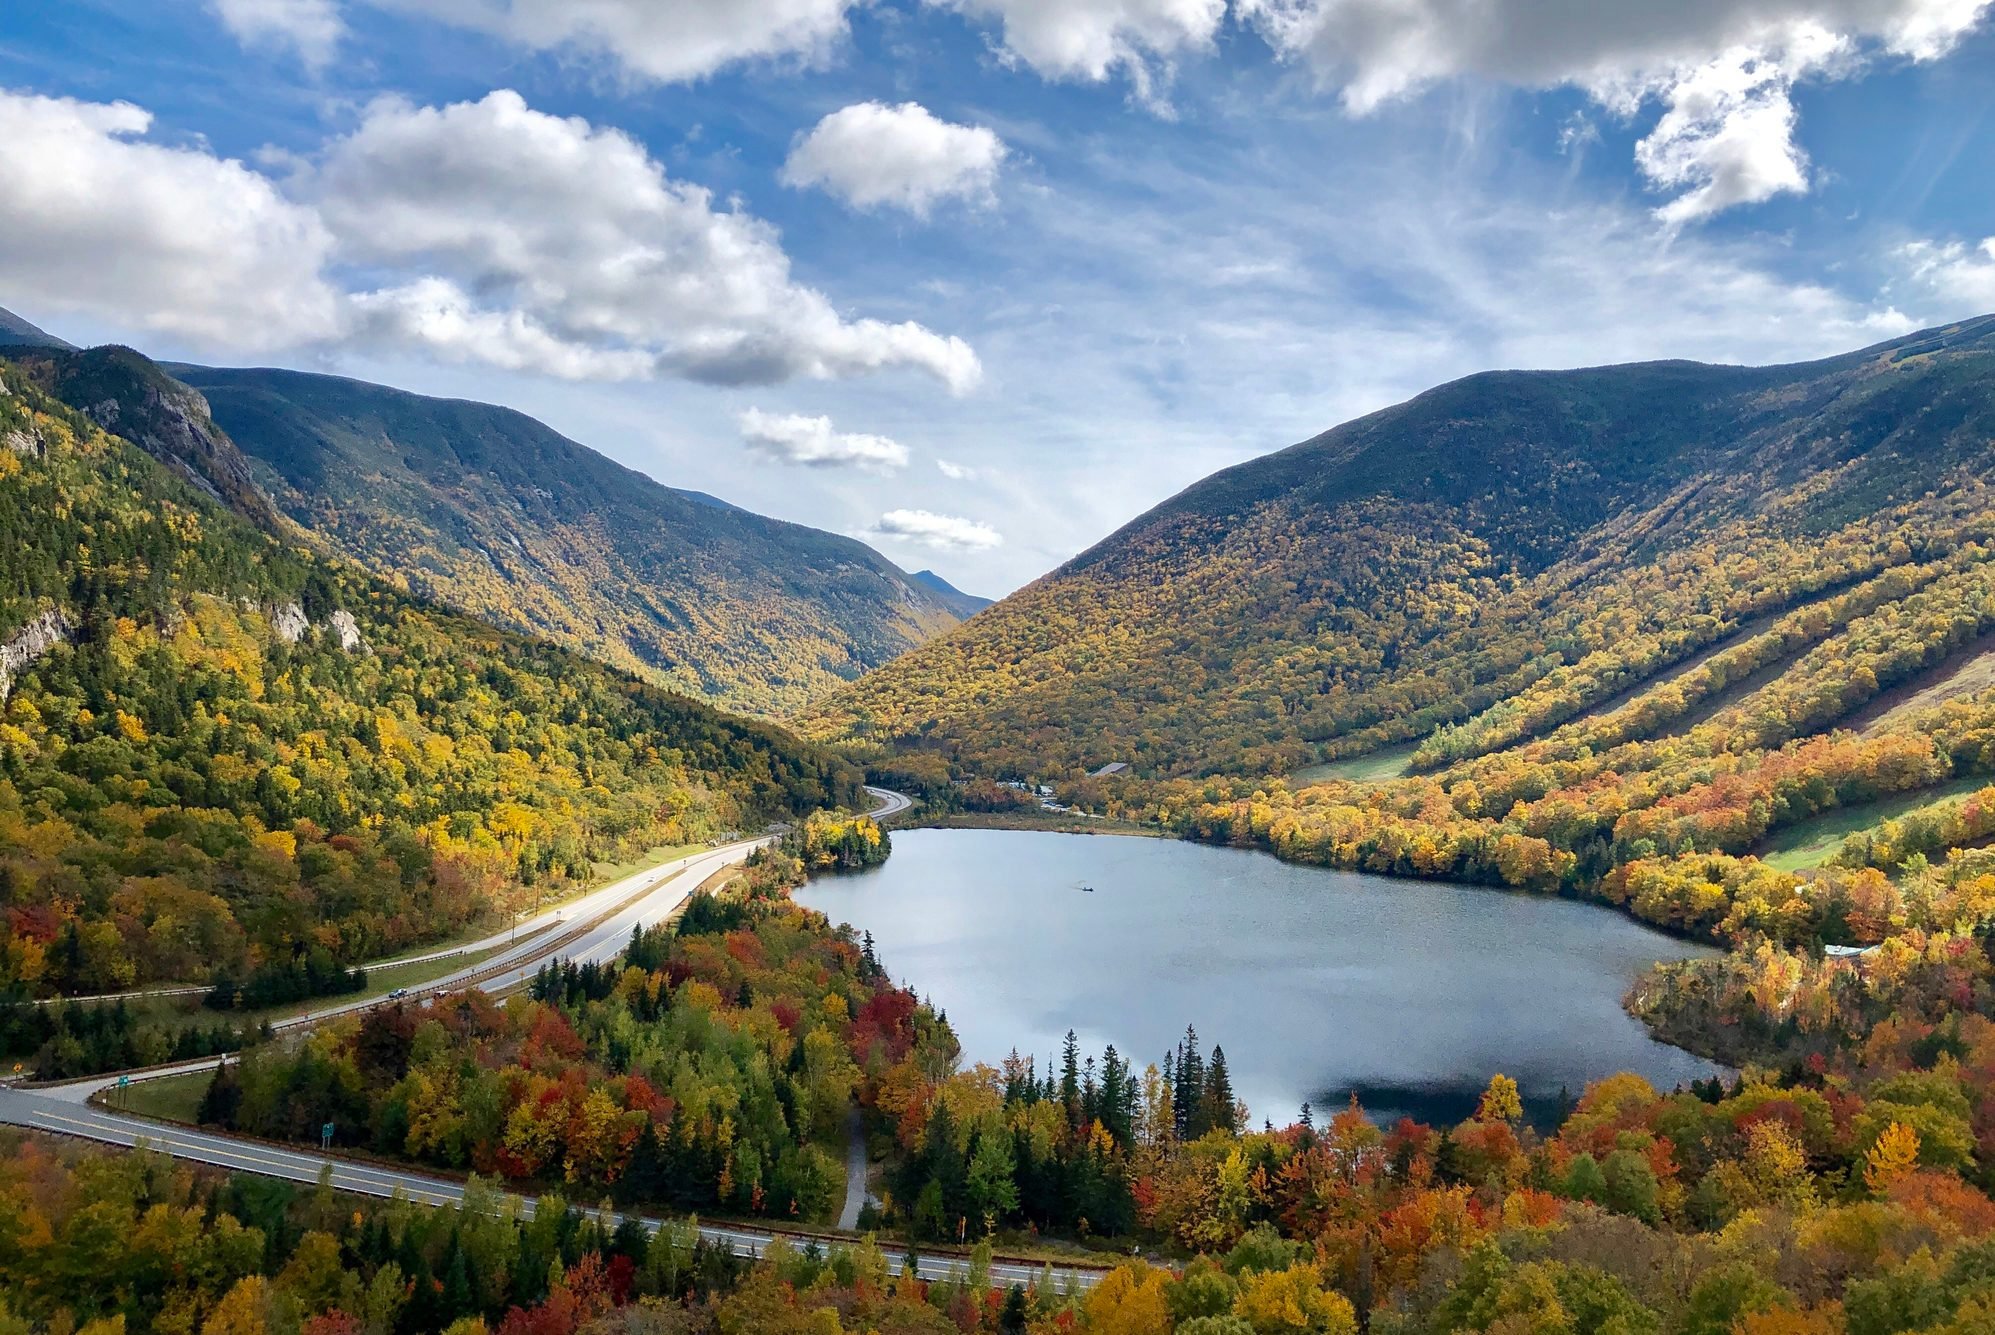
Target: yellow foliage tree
{"x": 1130, "y": 1302}
{"x": 1294, "y": 1302}
{"x": 1895, "y": 1154}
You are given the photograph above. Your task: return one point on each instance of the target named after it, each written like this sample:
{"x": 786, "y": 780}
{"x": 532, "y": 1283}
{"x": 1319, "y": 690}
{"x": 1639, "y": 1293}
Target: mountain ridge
{"x": 16, "y": 332}
{"x": 488, "y": 509}
{"x": 1387, "y": 577}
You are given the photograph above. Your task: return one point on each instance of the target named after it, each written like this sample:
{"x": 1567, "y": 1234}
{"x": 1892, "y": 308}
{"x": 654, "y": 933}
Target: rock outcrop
{"x": 29, "y": 643}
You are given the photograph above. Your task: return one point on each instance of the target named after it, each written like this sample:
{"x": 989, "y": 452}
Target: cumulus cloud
{"x": 96, "y": 219}
{"x": 1722, "y": 70}
{"x": 1089, "y": 40}
{"x": 945, "y": 533}
{"x": 487, "y": 232}
{"x": 792, "y": 438}
{"x": 956, "y": 472}
{"x": 312, "y": 28}
{"x": 1958, "y": 279}
{"x": 668, "y": 41}
{"x": 583, "y": 255}
{"x": 872, "y": 155}
{"x": 1727, "y": 135}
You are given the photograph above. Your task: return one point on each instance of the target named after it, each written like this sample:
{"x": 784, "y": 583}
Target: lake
{"x": 1317, "y": 983}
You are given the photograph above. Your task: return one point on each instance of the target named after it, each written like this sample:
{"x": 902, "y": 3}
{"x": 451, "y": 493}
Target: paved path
{"x": 856, "y": 1194}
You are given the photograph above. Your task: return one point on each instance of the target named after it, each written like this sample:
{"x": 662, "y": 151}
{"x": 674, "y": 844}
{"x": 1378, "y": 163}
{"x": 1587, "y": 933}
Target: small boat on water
{"x": 1087, "y": 889}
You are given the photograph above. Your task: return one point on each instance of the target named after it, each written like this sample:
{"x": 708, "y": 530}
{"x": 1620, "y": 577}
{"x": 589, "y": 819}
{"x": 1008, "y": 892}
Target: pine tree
{"x": 223, "y": 1100}
{"x": 1219, "y": 1112}
{"x": 1070, "y": 1078}
{"x": 1189, "y": 1096}
{"x": 1014, "y": 1316}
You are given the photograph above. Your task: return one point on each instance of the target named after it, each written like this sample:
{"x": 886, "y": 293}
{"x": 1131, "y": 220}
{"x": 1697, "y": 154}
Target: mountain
{"x": 965, "y": 605}
{"x": 222, "y": 750}
{"x": 18, "y": 333}
{"x": 127, "y": 394}
{"x": 492, "y": 512}
{"x": 1491, "y": 560}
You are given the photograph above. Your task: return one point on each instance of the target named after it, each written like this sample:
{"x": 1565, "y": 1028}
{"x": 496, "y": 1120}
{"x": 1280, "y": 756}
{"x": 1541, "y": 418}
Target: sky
{"x": 978, "y": 281}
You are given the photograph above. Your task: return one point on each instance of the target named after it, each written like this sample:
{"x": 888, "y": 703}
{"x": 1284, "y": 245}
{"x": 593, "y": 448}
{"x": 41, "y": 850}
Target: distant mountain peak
{"x": 965, "y": 603}
{"x": 18, "y": 333}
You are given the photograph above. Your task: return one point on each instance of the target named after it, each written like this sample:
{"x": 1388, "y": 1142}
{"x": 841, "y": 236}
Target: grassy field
{"x": 1057, "y": 822}
{"x": 1813, "y": 842}
{"x": 174, "y": 1098}
{"x": 616, "y": 871}
{"x": 1390, "y": 763}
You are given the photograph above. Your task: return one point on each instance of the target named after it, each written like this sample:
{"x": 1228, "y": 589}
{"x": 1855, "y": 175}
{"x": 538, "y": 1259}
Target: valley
{"x": 1468, "y": 807}
{"x": 245, "y": 754}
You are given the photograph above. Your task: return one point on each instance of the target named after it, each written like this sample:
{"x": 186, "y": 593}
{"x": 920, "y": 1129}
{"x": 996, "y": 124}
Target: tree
{"x": 992, "y": 1186}
{"x": 223, "y": 1098}
{"x": 1130, "y": 1301}
{"x": 1501, "y": 1102}
{"x": 1892, "y": 1158}
{"x": 243, "y": 1310}
{"x": 1218, "y": 1107}
{"x": 1294, "y": 1302}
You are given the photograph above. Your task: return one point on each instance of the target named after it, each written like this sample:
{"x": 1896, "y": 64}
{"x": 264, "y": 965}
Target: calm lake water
{"x": 1317, "y": 983}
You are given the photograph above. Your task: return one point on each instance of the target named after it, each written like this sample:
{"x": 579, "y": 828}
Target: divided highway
{"x": 22, "y": 1108}
{"x": 603, "y": 921}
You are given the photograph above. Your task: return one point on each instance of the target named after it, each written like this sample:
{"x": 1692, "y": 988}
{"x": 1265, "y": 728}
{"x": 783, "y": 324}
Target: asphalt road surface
{"x": 34, "y": 1109}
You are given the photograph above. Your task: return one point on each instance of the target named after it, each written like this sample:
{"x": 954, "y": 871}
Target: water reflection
{"x": 1317, "y": 983}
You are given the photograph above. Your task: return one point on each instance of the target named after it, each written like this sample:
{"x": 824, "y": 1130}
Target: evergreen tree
{"x": 222, "y": 1100}
{"x": 1014, "y": 1316}
{"x": 1220, "y": 1114}
{"x": 1189, "y": 1096}
{"x": 1070, "y": 1078}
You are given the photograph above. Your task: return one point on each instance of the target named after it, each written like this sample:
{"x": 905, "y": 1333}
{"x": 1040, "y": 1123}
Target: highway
{"x": 23, "y": 1108}
{"x": 596, "y": 927}
{"x": 891, "y": 803}
{"x": 602, "y": 924}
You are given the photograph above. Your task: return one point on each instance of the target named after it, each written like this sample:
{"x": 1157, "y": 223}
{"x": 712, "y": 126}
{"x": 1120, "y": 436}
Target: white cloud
{"x": 437, "y": 315}
{"x": 945, "y": 533}
{"x": 1727, "y": 136}
{"x": 96, "y": 220}
{"x": 1091, "y": 39}
{"x": 956, "y": 472}
{"x": 312, "y": 28}
{"x": 1957, "y": 279}
{"x": 792, "y": 438}
{"x": 576, "y": 242}
{"x": 1721, "y": 69}
{"x": 668, "y": 41}
{"x": 870, "y": 154}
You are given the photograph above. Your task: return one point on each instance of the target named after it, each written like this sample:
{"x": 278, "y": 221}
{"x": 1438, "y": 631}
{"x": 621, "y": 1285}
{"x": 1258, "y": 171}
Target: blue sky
{"x": 980, "y": 280}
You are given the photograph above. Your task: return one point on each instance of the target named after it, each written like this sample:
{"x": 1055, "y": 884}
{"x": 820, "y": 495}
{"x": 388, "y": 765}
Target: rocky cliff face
{"x": 29, "y": 643}
{"x": 127, "y": 395}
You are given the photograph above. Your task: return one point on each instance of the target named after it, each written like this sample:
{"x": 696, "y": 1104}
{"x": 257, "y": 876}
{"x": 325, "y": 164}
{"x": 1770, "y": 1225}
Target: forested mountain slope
{"x": 219, "y": 747}
{"x": 1494, "y": 558}
{"x": 494, "y": 513}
